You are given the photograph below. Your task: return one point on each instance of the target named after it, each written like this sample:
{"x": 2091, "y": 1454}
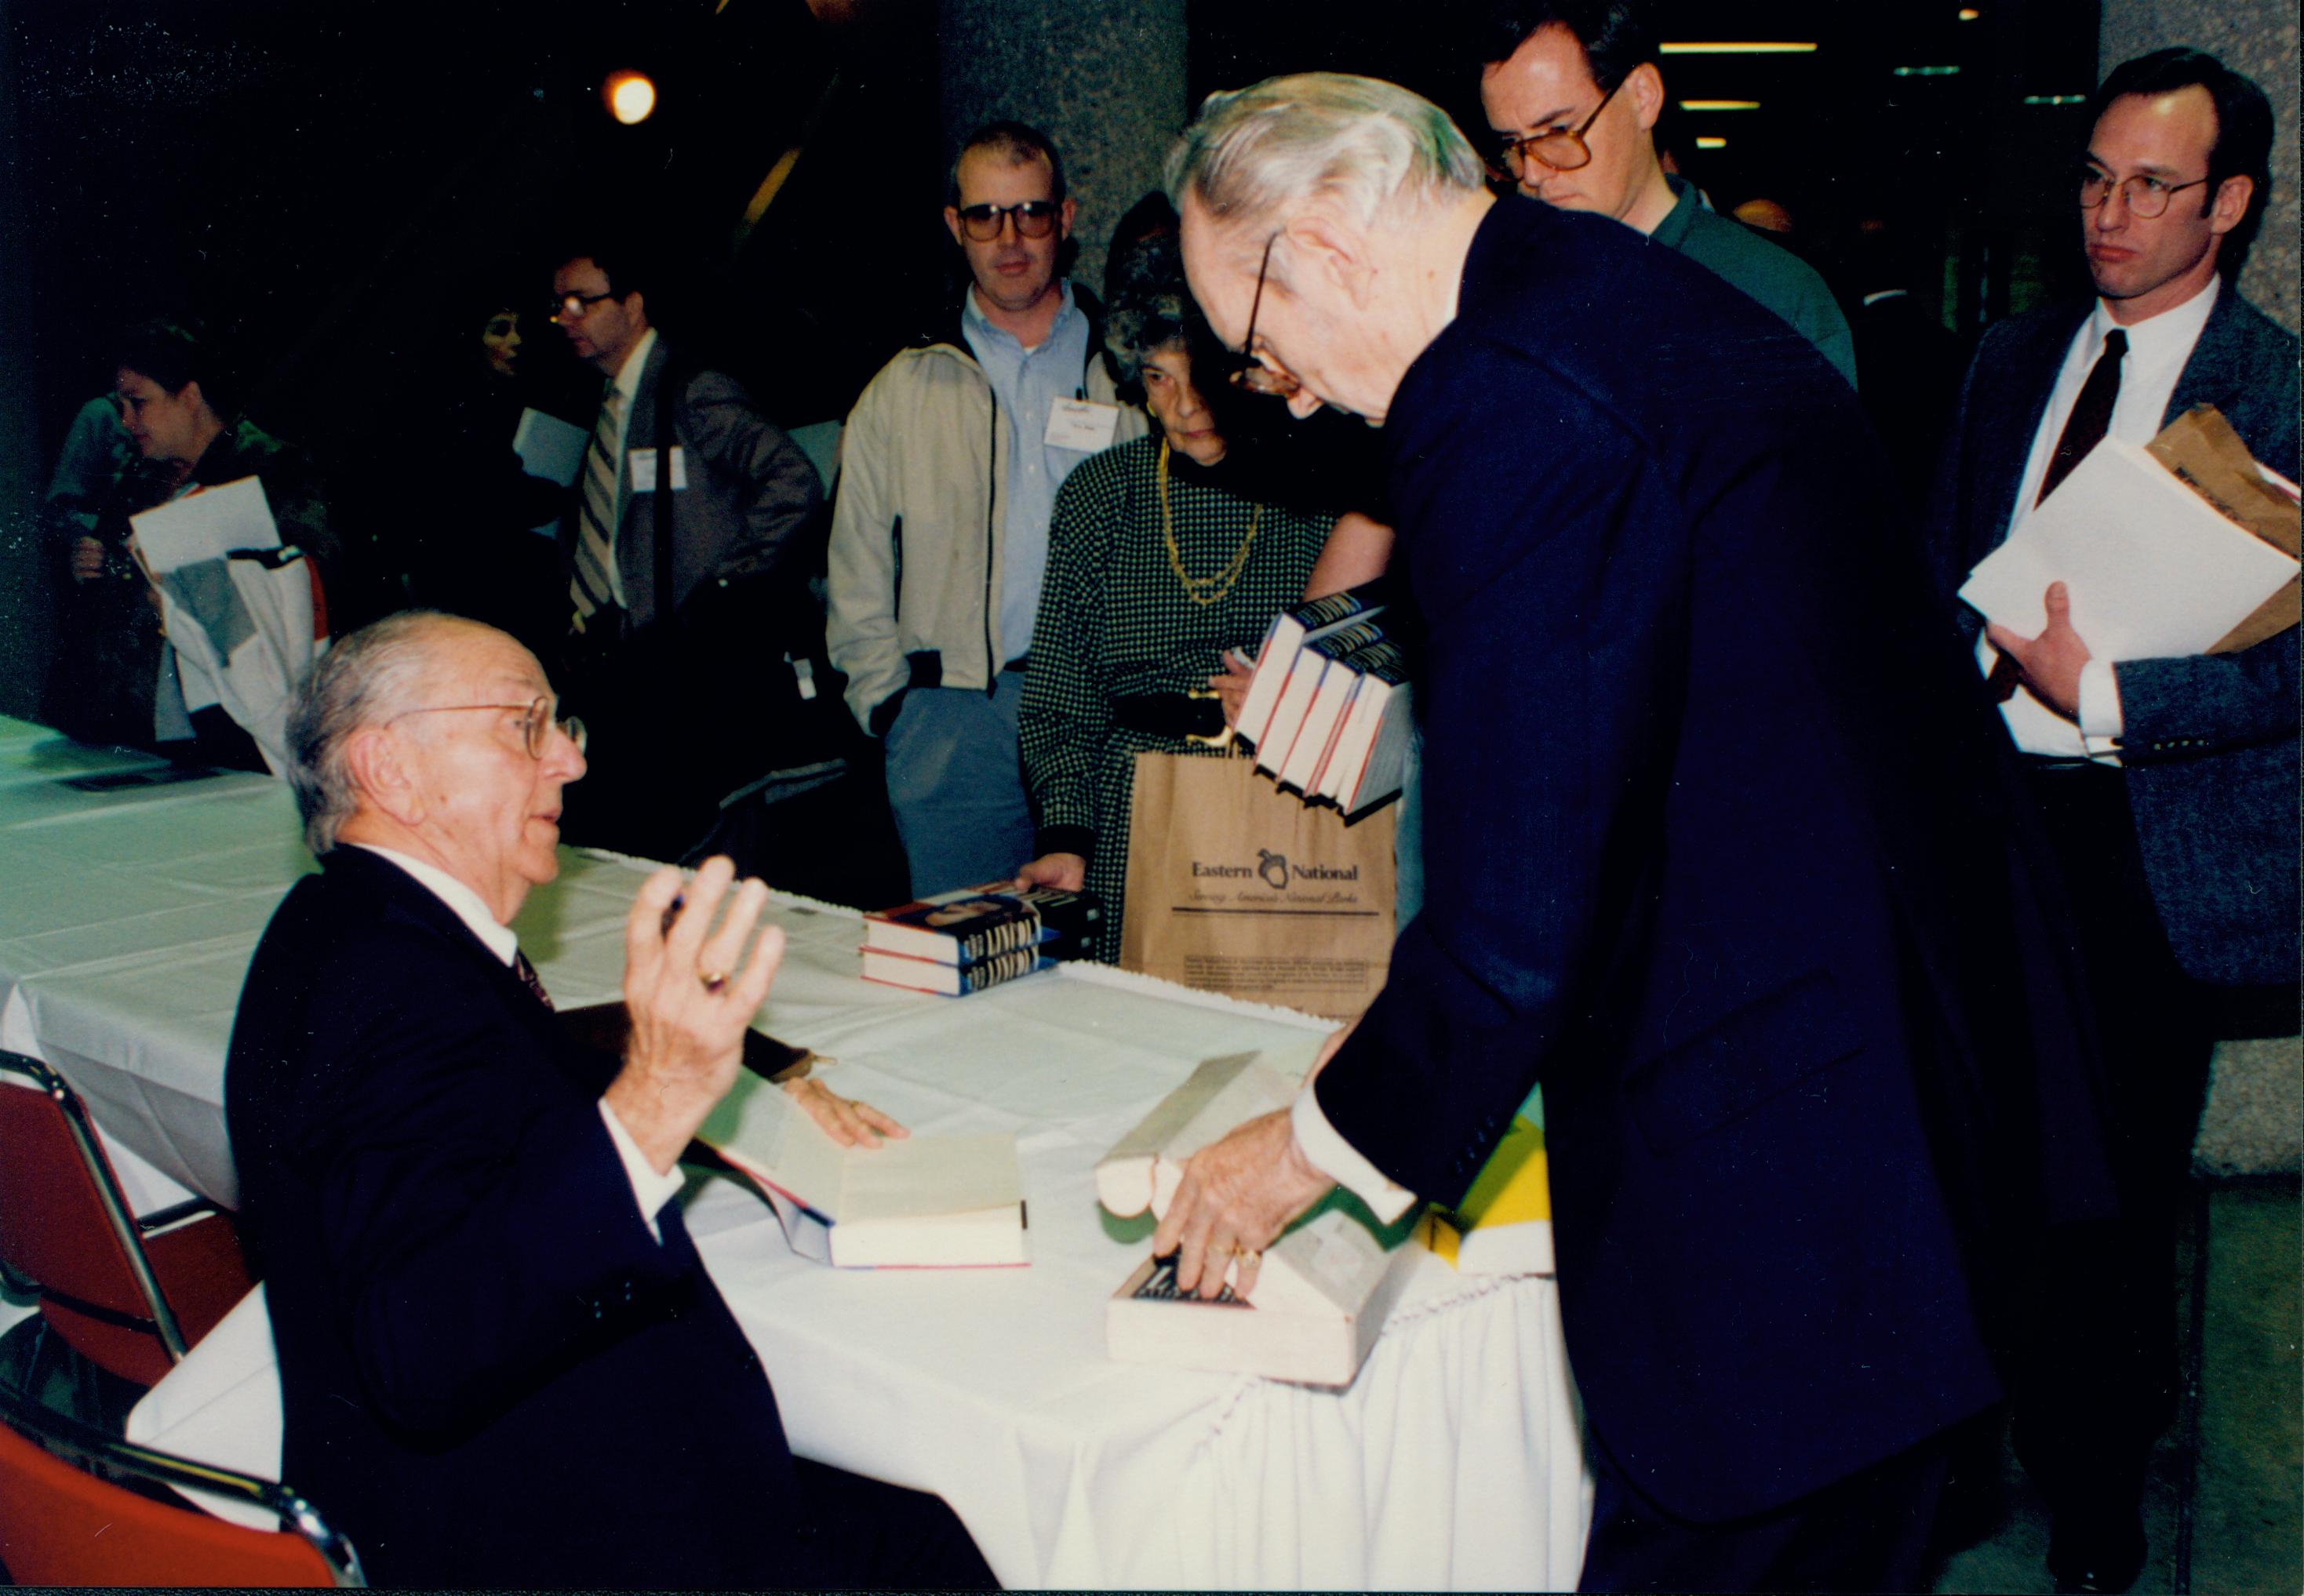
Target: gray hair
{"x": 1360, "y": 144}
{"x": 364, "y": 679}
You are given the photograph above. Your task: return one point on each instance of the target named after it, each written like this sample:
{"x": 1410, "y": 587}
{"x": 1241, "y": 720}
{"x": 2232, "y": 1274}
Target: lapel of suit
{"x": 2211, "y": 374}
{"x": 2026, "y": 382}
{"x": 394, "y": 888}
{"x": 636, "y": 512}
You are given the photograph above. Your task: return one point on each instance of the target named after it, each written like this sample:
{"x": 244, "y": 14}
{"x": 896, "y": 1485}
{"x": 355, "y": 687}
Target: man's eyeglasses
{"x": 2145, "y": 196}
{"x": 536, "y": 722}
{"x": 1555, "y": 147}
{"x": 574, "y": 307}
{"x": 1035, "y": 219}
{"x": 1254, "y": 374}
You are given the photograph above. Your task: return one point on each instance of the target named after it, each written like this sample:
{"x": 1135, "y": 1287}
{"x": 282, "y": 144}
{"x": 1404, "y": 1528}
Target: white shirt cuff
{"x": 2099, "y": 707}
{"x": 1341, "y": 1162}
{"x": 650, "y": 1190}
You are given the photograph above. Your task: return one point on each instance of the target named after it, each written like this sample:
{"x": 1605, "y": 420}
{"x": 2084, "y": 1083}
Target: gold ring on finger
{"x": 713, "y": 980}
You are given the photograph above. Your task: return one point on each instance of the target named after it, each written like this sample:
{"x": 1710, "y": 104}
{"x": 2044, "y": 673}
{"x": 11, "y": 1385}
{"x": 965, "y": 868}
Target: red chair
{"x": 130, "y": 1295}
{"x": 65, "y": 1521}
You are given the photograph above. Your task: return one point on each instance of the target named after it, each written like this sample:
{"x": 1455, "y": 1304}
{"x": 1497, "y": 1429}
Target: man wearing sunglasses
{"x": 1572, "y": 95}
{"x": 2169, "y": 785}
{"x": 950, "y": 467}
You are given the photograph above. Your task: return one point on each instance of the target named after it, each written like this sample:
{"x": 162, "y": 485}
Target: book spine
{"x": 1004, "y": 966}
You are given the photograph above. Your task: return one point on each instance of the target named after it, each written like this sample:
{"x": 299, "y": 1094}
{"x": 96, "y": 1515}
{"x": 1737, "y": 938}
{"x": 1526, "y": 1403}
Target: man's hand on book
{"x": 2048, "y": 665}
{"x": 847, "y": 1121}
{"x": 1236, "y": 1197}
{"x": 691, "y": 990}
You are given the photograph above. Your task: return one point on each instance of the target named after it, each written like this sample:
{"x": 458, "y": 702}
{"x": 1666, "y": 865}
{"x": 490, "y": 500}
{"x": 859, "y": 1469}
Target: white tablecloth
{"x": 127, "y": 920}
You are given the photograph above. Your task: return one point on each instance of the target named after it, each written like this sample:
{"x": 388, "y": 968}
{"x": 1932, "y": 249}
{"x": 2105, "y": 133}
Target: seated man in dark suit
{"x": 502, "y": 1361}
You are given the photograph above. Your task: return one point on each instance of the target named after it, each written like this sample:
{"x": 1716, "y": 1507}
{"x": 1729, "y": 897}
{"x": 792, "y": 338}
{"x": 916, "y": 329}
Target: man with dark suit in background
{"x": 502, "y": 1361}
{"x": 2169, "y": 785}
{"x": 676, "y": 735}
{"x": 1717, "y": 850}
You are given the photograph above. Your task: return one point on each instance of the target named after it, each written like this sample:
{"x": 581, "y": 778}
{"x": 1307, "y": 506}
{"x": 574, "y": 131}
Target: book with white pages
{"x": 1322, "y": 1291}
{"x": 2153, "y": 570}
{"x": 1290, "y": 631}
{"x": 918, "y": 1202}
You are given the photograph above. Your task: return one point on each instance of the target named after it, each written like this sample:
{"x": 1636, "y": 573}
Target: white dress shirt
{"x": 650, "y": 1190}
{"x": 2157, "y": 350}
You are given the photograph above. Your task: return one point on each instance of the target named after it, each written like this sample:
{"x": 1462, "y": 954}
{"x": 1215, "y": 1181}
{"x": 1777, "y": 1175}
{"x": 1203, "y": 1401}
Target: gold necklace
{"x": 1203, "y": 590}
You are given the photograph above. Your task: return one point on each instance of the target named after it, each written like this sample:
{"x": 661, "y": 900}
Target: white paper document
{"x": 2153, "y": 572}
{"x": 549, "y": 447}
{"x": 206, "y": 525}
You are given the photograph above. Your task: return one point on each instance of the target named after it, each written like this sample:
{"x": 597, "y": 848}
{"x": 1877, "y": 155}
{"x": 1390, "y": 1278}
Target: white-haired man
{"x": 1676, "y": 871}
{"x": 501, "y": 1361}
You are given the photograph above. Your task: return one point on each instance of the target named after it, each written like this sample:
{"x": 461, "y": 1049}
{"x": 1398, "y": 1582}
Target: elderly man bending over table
{"x": 502, "y": 1361}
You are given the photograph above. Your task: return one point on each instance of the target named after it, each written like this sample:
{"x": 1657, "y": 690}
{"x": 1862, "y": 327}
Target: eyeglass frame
{"x": 999, "y": 216}
{"x": 538, "y": 714}
{"x": 1253, "y": 375}
{"x": 1515, "y": 149}
{"x": 583, "y": 303}
{"x": 2092, "y": 174}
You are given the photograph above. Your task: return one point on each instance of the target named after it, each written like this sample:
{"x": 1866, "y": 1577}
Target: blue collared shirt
{"x": 1026, "y": 383}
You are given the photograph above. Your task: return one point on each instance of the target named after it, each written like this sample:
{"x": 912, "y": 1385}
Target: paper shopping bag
{"x": 1238, "y": 887}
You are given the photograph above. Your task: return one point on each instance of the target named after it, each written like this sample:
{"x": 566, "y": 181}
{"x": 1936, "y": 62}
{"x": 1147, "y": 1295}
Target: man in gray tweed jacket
{"x": 2170, "y": 785}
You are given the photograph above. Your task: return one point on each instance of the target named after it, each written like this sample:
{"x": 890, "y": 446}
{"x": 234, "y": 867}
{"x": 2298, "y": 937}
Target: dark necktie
{"x": 529, "y": 979}
{"x": 2091, "y": 416}
{"x": 2084, "y": 429}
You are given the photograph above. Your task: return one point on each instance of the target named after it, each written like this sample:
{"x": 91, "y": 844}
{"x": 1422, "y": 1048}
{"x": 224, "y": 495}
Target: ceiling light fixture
{"x": 1709, "y": 142}
{"x": 1719, "y": 105}
{"x": 1737, "y": 47}
{"x": 1926, "y": 71}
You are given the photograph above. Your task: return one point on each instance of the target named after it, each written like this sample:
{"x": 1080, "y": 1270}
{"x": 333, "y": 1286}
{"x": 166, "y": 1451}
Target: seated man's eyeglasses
{"x": 1035, "y": 219}
{"x": 574, "y": 307}
{"x": 536, "y": 722}
{"x": 2145, "y": 196}
{"x": 1558, "y": 148}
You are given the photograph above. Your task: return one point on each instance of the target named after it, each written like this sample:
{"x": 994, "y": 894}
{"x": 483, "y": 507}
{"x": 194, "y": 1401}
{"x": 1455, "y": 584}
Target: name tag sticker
{"x": 643, "y": 467}
{"x": 1081, "y": 424}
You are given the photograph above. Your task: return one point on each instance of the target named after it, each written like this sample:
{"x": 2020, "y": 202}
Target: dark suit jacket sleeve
{"x": 482, "y": 1226}
{"x": 777, "y": 490}
{"x": 1552, "y": 667}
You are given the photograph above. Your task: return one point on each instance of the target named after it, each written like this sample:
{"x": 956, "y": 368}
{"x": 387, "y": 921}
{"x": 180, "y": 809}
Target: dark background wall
{"x": 332, "y": 185}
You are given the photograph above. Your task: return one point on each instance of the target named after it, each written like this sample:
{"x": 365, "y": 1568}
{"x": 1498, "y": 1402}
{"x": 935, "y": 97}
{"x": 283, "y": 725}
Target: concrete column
{"x": 2258, "y": 37}
{"x": 1104, "y": 79}
{"x": 2254, "y": 1122}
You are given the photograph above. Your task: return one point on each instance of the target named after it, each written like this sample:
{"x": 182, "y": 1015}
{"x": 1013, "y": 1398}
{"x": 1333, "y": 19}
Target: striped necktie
{"x": 591, "y": 587}
{"x": 529, "y": 978}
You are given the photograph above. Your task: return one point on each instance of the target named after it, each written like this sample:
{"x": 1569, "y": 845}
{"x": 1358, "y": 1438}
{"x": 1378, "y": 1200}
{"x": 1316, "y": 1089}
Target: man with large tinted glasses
{"x": 2169, "y": 784}
{"x": 950, "y": 468}
{"x": 1572, "y": 93}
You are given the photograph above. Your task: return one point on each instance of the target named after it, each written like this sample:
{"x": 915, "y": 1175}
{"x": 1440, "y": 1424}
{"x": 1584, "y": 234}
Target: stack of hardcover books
{"x": 1328, "y": 708}
{"x": 962, "y": 941}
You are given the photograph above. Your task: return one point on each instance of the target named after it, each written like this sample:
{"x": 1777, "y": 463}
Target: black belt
{"x": 1171, "y": 714}
{"x": 1021, "y": 663}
